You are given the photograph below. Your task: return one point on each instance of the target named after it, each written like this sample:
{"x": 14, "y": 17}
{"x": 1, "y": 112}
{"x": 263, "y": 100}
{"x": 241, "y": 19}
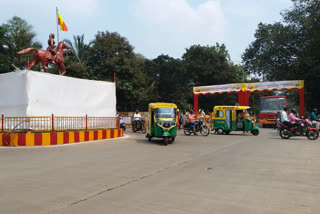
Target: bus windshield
{"x": 165, "y": 113}
{"x": 272, "y": 104}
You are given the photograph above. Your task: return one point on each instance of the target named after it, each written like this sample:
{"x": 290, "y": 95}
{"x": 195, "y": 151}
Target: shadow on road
{"x": 235, "y": 134}
{"x": 158, "y": 142}
{"x": 290, "y": 139}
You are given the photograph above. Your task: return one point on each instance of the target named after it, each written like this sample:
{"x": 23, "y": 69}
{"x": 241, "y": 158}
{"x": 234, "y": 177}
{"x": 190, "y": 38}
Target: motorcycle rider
{"x": 192, "y": 120}
{"x": 284, "y": 118}
{"x": 136, "y": 118}
{"x": 294, "y": 120}
{"x": 137, "y": 115}
{"x": 315, "y": 118}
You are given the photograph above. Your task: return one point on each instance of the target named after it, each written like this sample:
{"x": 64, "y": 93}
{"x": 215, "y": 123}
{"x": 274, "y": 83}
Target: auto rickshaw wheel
{"x": 171, "y": 141}
{"x": 220, "y": 131}
{"x": 255, "y": 132}
{"x": 165, "y": 141}
{"x": 134, "y": 129}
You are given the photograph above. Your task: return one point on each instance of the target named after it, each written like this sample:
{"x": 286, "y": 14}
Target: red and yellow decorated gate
{"x": 243, "y": 90}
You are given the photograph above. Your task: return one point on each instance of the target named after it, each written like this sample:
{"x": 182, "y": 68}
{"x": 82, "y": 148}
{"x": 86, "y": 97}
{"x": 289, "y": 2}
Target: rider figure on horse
{"x": 51, "y": 47}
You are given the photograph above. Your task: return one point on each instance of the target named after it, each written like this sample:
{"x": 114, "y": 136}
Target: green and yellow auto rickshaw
{"x": 162, "y": 122}
{"x": 233, "y": 118}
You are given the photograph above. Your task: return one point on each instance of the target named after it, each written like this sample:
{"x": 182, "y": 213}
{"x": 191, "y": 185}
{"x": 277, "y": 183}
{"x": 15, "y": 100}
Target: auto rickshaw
{"x": 233, "y": 118}
{"x": 162, "y": 122}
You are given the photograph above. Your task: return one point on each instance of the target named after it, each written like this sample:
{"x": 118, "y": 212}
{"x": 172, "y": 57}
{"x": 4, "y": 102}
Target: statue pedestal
{"x": 30, "y": 93}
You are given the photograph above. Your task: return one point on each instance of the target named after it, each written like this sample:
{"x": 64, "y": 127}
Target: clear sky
{"x": 153, "y": 27}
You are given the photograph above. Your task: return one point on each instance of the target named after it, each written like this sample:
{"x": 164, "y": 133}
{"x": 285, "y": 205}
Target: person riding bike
{"x": 136, "y": 118}
{"x": 137, "y": 115}
{"x": 315, "y": 118}
{"x": 284, "y": 118}
{"x": 192, "y": 120}
{"x": 295, "y": 121}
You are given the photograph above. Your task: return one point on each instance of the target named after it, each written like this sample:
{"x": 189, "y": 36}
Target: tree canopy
{"x": 19, "y": 35}
{"x": 112, "y": 54}
{"x": 290, "y": 49}
{"x": 4, "y": 51}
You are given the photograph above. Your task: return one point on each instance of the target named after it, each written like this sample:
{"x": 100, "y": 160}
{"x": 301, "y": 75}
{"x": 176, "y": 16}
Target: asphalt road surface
{"x": 236, "y": 173}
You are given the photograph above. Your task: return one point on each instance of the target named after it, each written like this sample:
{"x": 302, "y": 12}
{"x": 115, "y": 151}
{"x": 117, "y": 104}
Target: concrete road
{"x": 238, "y": 173}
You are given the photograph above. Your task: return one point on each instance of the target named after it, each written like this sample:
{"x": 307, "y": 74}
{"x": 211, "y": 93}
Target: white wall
{"x": 30, "y": 93}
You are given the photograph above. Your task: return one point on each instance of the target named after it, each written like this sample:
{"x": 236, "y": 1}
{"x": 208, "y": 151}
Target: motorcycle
{"x": 139, "y": 125}
{"x": 203, "y": 129}
{"x": 306, "y": 130}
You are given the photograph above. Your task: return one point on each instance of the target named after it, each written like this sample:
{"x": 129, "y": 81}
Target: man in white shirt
{"x": 284, "y": 117}
{"x": 137, "y": 116}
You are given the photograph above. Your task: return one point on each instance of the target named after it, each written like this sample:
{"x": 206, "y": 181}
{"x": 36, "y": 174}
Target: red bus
{"x": 269, "y": 106}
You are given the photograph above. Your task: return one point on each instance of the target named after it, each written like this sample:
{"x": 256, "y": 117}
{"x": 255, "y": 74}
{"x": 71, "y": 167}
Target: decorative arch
{"x": 244, "y": 89}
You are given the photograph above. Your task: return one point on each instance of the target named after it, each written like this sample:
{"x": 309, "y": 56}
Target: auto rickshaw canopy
{"x": 231, "y": 108}
{"x": 162, "y": 105}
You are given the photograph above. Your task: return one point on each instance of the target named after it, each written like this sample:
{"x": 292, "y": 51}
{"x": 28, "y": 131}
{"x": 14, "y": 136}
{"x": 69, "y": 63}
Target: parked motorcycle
{"x": 306, "y": 130}
{"x": 203, "y": 129}
{"x": 139, "y": 125}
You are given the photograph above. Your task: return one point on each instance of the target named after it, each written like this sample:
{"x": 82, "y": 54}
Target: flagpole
{"x": 57, "y": 24}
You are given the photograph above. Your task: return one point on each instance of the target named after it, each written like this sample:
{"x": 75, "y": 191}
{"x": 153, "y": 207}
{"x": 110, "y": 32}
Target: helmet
{"x": 137, "y": 111}
{"x": 293, "y": 110}
{"x": 315, "y": 110}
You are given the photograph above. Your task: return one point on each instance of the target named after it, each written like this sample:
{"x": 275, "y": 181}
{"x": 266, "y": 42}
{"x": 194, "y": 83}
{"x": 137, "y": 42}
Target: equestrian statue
{"x": 51, "y": 55}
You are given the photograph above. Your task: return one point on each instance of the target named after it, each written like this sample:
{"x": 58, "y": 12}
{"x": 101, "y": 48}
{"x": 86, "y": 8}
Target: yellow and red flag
{"x": 62, "y": 24}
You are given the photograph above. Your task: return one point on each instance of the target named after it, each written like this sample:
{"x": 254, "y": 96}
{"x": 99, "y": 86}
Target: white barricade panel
{"x": 30, "y": 93}
{"x": 13, "y": 93}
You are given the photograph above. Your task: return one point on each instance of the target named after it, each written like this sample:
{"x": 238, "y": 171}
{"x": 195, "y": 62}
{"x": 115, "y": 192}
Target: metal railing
{"x": 57, "y": 123}
{"x": 69, "y": 123}
{"x": 102, "y": 122}
{"x": 27, "y": 123}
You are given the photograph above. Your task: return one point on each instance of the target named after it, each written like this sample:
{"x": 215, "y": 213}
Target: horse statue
{"x": 45, "y": 57}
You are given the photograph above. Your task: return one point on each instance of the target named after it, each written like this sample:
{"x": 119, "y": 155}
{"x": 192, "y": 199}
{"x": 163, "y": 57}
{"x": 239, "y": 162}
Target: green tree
{"x": 289, "y": 50}
{"x": 210, "y": 65}
{"x": 273, "y": 53}
{"x": 79, "y": 47}
{"x": 19, "y": 36}
{"x": 166, "y": 78}
{"x": 76, "y": 65}
{"x": 4, "y": 51}
{"x": 112, "y": 54}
